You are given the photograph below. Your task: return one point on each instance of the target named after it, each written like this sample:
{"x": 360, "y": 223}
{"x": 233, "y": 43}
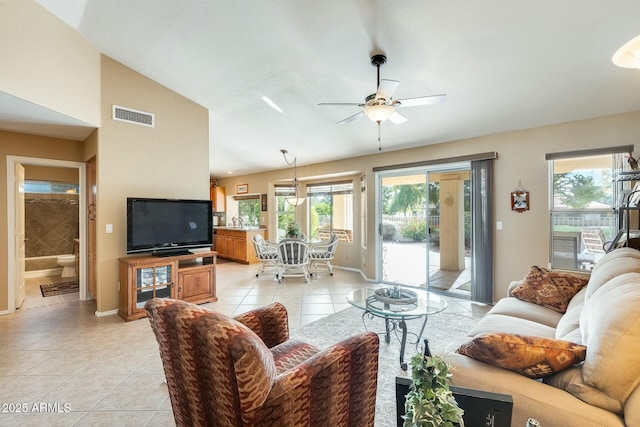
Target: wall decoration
{"x": 242, "y": 188}
{"x": 519, "y": 199}
{"x": 263, "y": 202}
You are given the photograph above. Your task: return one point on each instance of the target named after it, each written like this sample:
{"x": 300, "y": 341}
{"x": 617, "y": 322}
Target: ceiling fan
{"x": 380, "y": 106}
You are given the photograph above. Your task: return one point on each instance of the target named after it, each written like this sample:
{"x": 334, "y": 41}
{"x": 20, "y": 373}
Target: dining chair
{"x": 321, "y": 254}
{"x": 294, "y": 260}
{"x": 267, "y": 253}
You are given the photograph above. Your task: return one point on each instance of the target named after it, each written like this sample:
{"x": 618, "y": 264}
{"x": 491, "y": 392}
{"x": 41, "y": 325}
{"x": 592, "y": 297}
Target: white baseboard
{"x": 106, "y": 313}
{"x": 43, "y": 273}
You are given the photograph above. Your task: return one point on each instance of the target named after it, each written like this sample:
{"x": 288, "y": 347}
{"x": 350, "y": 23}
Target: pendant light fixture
{"x": 628, "y": 56}
{"x": 294, "y": 200}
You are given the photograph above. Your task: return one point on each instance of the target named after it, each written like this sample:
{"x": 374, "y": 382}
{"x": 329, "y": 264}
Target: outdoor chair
{"x": 294, "y": 260}
{"x": 593, "y": 243}
{"x": 267, "y": 253}
{"x": 321, "y": 254}
{"x": 245, "y": 371}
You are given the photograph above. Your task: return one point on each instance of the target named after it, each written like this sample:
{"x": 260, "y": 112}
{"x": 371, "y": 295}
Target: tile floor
{"x": 63, "y": 366}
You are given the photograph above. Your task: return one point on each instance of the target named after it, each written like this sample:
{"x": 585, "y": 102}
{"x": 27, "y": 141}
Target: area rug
{"x": 444, "y": 331}
{"x": 51, "y": 289}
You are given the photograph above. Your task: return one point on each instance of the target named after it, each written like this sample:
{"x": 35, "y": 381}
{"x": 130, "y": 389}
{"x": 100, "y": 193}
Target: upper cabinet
{"x": 218, "y": 198}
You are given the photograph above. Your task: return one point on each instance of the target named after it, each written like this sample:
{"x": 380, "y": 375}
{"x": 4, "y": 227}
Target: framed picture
{"x": 263, "y": 202}
{"x": 242, "y": 188}
{"x": 520, "y": 201}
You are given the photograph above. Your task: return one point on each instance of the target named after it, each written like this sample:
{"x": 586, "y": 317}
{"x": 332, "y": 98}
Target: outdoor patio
{"x": 405, "y": 262}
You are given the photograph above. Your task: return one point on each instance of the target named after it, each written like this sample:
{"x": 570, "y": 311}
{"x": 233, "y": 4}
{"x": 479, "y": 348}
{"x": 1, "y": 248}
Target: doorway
{"x": 14, "y": 271}
{"x": 425, "y": 228}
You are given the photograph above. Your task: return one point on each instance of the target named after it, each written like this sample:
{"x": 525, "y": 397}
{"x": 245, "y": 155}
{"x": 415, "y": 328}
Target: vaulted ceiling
{"x": 504, "y": 65}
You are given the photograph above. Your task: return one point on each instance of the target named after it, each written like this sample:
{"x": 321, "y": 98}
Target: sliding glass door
{"x": 425, "y": 227}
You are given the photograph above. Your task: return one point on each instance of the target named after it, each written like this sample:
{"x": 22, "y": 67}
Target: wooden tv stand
{"x": 190, "y": 277}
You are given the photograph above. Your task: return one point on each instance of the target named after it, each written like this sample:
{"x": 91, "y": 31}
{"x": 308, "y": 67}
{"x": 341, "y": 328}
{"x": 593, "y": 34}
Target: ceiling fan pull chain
{"x": 379, "y": 143}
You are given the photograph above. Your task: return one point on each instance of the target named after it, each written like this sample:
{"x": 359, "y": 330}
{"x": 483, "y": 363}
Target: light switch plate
{"x": 109, "y": 228}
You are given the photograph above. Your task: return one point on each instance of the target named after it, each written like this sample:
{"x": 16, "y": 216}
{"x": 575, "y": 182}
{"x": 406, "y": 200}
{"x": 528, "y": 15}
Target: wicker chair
{"x": 245, "y": 371}
{"x": 321, "y": 254}
{"x": 266, "y": 253}
{"x": 294, "y": 260}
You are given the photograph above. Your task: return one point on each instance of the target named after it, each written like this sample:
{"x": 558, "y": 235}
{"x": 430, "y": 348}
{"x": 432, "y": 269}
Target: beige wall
{"x": 524, "y": 240}
{"x": 17, "y": 144}
{"x": 47, "y": 63}
{"x": 170, "y": 160}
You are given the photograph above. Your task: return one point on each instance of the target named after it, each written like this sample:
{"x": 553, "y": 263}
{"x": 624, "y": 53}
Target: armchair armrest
{"x": 321, "y": 246}
{"x": 270, "y": 323}
{"x": 337, "y": 386}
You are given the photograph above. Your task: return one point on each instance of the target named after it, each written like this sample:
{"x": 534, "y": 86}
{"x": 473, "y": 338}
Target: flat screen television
{"x": 168, "y": 226}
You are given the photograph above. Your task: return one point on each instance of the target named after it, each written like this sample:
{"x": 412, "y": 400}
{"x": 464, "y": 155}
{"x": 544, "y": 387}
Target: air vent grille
{"x": 130, "y": 115}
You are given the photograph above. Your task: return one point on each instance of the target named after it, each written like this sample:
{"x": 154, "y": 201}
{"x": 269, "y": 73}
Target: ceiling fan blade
{"x": 397, "y": 118}
{"x": 351, "y": 118}
{"x": 387, "y": 88}
{"x": 423, "y": 100}
{"x": 355, "y": 104}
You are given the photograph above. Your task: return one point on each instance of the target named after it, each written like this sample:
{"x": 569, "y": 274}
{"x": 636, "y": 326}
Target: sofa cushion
{"x": 510, "y": 325}
{"x": 614, "y": 254}
{"x": 571, "y": 380}
{"x": 534, "y": 357}
{"x": 515, "y": 307}
{"x": 549, "y": 288}
{"x": 613, "y": 267}
{"x": 632, "y": 409}
{"x": 551, "y": 406}
{"x": 610, "y": 326}
{"x": 568, "y": 328}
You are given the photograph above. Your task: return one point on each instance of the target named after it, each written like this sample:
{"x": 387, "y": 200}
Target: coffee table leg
{"x": 422, "y": 330}
{"x": 403, "y": 344}
{"x": 387, "y": 330}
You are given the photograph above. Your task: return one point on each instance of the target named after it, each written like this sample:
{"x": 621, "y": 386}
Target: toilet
{"x": 68, "y": 264}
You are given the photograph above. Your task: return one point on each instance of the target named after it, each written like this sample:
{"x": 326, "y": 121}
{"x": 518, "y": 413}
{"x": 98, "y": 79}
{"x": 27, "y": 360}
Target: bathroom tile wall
{"x": 51, "y": 224}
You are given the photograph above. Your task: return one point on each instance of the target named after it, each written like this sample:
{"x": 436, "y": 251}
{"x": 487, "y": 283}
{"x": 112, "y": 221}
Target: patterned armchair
{"x": 245, "y": 371}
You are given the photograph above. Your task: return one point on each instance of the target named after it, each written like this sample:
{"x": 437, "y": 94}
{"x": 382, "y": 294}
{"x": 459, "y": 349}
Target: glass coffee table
{"x": 396, "y": 305}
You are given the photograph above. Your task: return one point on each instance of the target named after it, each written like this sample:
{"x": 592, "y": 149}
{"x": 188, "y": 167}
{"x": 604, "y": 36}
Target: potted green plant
{"x": 430, "y": 402}
{"x": 293, "y": 229}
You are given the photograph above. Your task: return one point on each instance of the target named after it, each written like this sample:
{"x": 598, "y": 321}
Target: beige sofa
{"x": 604, "y": 316}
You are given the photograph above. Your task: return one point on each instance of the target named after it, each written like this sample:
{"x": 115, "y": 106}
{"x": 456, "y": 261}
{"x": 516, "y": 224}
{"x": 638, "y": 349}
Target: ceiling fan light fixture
{"x": 378, "y": 113}
{"x": 628, "y": 56}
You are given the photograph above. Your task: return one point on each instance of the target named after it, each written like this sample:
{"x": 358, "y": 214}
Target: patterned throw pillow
{"x": 534, "y": 357}
{"x": 548, "y": 288}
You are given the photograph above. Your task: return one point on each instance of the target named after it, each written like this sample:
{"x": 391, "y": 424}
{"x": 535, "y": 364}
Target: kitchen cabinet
{"x": 218, "y": 199}
{"x": 237, "y": 244}
{"x": 189, "y": 277}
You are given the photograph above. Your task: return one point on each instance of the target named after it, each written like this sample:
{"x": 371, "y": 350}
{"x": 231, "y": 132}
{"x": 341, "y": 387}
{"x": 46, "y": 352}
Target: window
{"x": 249, "y": 209}
{"x": 48, "y": 187}
{"x": 331, "y": 210}
{"x": 286, "y": 212}
{"x": 582, "y": 214}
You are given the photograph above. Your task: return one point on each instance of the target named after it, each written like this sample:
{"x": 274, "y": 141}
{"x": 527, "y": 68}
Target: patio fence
{"x": 599, "y": 221}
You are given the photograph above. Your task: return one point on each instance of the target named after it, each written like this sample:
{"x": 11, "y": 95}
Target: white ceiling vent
{"x": 130, "y": 115}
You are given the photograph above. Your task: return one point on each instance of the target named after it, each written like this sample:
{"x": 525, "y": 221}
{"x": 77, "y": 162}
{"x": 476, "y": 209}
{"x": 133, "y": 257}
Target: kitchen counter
{"x": 243, "y": 228}
{"x": 235, "y": 243}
